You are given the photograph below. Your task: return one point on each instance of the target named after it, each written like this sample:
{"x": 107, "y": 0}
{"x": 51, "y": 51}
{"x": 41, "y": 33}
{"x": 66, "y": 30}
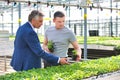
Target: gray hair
{"x": 34, "y": 14}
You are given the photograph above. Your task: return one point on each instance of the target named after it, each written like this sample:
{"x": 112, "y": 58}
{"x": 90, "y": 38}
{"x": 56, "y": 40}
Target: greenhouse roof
{"x": 80, "y": 2}
{"x": 6, "y": 4}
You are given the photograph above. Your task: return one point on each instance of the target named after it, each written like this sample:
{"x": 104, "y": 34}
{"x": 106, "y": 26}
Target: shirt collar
{"x": 31, "y": 26}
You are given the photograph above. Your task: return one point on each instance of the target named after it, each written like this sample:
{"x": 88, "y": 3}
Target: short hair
{"x": 34, "y": 14}
{"x": 59, "y": 14}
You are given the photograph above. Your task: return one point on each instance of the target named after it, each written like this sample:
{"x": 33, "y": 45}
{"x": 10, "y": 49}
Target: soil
{"x": 74, "y": 57}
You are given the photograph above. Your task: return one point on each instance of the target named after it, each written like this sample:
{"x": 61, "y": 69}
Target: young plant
{"x": 117, "y": 49}
{"x": 50, "y": 46}
{"x": 74, "y": 55}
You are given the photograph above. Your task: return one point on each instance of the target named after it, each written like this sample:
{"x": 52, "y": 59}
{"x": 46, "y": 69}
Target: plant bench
{"x": 4, "y": 35}
{"x": 4, "y": 39}
{"x": 4, "y": 62}
{"x": 93, "y": 69}
{"x": 96, "y": 51}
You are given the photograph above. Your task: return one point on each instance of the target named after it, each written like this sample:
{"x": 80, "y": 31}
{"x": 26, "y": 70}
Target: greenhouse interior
{"x": 96, "y": 28}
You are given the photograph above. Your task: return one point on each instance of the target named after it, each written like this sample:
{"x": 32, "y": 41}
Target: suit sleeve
{"x": 32, "y": 40}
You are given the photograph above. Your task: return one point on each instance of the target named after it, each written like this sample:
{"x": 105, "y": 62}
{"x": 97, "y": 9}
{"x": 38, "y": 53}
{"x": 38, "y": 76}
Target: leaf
{"x": 74, "y": 52}
{"x": 50, "y": 46}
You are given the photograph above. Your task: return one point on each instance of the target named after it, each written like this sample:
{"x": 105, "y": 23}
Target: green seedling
{"x": 50, "y": 46}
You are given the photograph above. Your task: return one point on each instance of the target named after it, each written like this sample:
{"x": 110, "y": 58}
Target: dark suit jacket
{"x": 27, "y": 50}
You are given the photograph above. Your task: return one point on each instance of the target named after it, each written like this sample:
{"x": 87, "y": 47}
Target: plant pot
{"x": 51, "y": 50}
{"x": 74, "y": 57}
{"x": 117, "y": 52}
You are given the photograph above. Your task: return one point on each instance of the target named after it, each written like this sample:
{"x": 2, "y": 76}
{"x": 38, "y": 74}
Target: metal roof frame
{"x": 73, "y": 3}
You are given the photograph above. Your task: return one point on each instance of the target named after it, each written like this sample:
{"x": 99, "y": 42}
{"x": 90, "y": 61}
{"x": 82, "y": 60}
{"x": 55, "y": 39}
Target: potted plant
{"x": 50, "y": 46}
{"x": 74, "y": 55}
{"x": 117, "y": 49}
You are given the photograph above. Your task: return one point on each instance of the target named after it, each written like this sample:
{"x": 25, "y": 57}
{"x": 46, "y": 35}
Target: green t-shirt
{"x": 61, "y": 39}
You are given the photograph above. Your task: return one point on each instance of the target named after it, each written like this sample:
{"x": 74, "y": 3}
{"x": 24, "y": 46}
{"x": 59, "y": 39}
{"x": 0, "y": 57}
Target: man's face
{"x": 37, "y": 22}
{"x": 59, "y": 22}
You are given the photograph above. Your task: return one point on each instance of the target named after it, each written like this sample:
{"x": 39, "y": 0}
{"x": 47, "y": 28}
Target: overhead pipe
{"x": 57, "y": 4}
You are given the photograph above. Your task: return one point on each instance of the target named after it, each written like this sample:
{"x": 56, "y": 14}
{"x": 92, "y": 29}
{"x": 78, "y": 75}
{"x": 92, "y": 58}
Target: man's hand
{"x": 63, "y": 61}
{"x": 78, "y": 57}
{"x": 46, "y": 49}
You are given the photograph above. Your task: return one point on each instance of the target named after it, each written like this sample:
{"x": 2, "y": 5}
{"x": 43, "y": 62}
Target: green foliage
{"x": 108, "y": 41}
{"x": 75, "y": 71}
{"x": 117, "y": 48}
{"x": 11, "y": 38}
{"x": 74, "y": 55}
{"x": 74, "y": 52}
{"x": 50, "y": 46}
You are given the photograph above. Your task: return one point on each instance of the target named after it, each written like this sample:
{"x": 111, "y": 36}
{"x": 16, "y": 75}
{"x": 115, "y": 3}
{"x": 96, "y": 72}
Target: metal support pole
{"x": 37, "y": 5}
{"x": 116, "y": 21}
{"x": 69, "y": 16}
{"x": 12, "y": 20}
{"x": 98, "y": 17}
{"x": 85, "y": 33}
{"x": 5, "y": 64}
{"x": 81, "y": 23}
{"x": 75, "y": 29}
{"x": 2, "y": 21}
{"x": 19, "y": 13}
{"x": 50, "y": 17}
{"x": 111, "y": 23}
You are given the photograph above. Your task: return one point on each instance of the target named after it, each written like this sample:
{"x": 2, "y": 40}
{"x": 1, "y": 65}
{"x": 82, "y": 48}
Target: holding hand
{"x": 78, "y": 57}
{"x": 46, "y": 49}
{"x": 63, "y": 61}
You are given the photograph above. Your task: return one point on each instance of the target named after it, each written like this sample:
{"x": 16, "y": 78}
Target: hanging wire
{"x": 29, "y": 3}
{"x": 14, "y": 4}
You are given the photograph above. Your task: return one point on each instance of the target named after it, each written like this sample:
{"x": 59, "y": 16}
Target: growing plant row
{"x": 90, "y": 40}
{"x": 75, "y": 71}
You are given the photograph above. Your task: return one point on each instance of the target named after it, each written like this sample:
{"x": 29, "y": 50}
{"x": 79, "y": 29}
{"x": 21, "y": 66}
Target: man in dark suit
{"x": 27, "y": 49}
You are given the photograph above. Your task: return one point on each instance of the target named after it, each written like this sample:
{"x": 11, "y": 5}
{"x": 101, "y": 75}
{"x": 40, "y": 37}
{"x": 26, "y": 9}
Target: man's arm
{"x": 78, "y": 49}
{"x": 32, "y": 41}
{"x": 60, "y": 60}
